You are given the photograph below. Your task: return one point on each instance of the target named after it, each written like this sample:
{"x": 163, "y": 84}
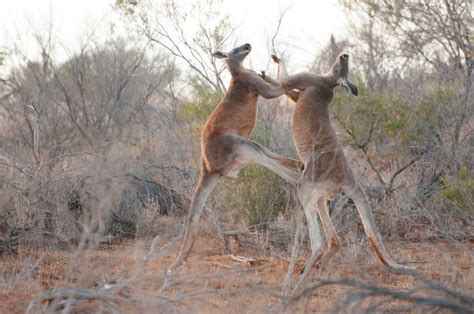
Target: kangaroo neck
{"x": 321, "y": 109}
{"x": 330, "y": 79}
{"x": 235, "y": 68}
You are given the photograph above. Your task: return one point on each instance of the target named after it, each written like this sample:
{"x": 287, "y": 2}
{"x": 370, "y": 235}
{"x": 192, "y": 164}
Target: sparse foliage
{"x": 100, "y": 143}
{"x": 190, "y": 33}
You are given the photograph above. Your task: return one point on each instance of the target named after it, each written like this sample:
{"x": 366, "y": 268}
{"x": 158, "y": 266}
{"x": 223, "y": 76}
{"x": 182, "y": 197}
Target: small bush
{"x": 257, "y": 197}
{"x": 197, "y": 110}
{"x": 459, "y": 189}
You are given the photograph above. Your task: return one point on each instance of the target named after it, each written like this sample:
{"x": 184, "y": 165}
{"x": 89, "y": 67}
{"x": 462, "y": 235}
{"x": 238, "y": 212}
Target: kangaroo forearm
{"x": 272, "y": 92}
{"x": 292, "y": 94}
{"x": 272, "y": 81}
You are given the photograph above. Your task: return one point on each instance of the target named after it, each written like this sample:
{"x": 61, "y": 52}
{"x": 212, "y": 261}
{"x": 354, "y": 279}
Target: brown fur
{"x": 225, "y": 147}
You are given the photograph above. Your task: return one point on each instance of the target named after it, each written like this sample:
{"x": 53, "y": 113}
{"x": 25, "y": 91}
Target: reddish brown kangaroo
{"x": 225, "y": 147}
{"x": 326, "y": 169}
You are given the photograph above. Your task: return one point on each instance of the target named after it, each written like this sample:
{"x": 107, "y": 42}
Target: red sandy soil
{"x": 243, "y": 285}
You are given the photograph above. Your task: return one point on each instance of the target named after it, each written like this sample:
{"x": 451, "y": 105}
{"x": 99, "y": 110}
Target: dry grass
{"x": 211, "y": 281}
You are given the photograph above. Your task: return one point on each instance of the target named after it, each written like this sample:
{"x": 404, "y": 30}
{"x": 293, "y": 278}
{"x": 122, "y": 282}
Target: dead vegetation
{"x": 115, "y": 277}
{"x": 99, "y": 158}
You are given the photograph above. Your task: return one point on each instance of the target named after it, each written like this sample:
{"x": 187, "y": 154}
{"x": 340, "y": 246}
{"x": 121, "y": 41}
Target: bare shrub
{"x": 73, "y": 128}
{"x": 100, "y": 144}
{"x": 368, "y": 298}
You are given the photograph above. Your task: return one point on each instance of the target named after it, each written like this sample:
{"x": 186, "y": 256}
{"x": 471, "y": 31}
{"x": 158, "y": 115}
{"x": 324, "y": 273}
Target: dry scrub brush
{"x": 87, "y": 137}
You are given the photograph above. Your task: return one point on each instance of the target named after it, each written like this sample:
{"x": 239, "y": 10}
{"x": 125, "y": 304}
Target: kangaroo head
{"x": 339, "y": 72}
{"x": 234, "y": 57}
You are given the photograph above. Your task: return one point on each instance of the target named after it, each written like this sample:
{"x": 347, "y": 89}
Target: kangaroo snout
{"x": 248, "y": 46}
{"x": 344, "y": 57}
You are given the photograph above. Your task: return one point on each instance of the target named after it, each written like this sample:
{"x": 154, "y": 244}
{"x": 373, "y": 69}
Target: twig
{"x": 241, "y": 259}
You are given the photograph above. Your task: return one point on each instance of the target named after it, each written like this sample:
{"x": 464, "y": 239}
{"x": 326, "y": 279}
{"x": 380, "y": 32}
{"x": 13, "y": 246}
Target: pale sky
{"x": 307, "y": 25}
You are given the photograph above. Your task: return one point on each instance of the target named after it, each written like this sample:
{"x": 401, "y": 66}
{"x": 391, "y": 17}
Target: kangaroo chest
{"x": 233, "y": 115}
{"x": 243, "y": 117}
{"x": 312, "y": 131}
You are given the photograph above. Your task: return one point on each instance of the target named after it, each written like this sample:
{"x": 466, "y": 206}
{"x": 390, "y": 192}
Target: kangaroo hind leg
{"x": 250, "y": 152}
{"x": 363, "y": 207}
{"x": 207, "y": 183}
{"x": 317, "y": 202}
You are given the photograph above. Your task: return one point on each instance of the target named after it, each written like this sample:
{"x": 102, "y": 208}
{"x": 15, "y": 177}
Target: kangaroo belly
{"x": 242, "y": 121}
{"x": 237, "y": 117}
{"x": 310, "y": 135}
{"x": 231, "y": 117}
{"x": 328, "y": 166}
{"x": 318, "y": 146}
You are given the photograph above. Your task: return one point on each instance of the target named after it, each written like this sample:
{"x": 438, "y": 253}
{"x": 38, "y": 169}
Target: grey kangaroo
{"x": 326, "y": 170}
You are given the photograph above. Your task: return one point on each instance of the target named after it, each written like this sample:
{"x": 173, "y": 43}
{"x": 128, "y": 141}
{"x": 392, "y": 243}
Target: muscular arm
{"x": 264, "y": 89}
{"x": 298, "y": 81}
{"x": 290, "y": 93}
{"x": 269, "y": 79}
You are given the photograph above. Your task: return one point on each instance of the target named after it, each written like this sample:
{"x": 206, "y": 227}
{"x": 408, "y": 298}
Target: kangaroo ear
{"x": 348, "y": 88}
{"x": 220, "y": 55}
{"x": 354, "y": 89}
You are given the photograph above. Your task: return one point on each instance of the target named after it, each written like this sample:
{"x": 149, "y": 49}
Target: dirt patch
{"x": 14, "y": 303}
{"x": 212, "y": 281}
